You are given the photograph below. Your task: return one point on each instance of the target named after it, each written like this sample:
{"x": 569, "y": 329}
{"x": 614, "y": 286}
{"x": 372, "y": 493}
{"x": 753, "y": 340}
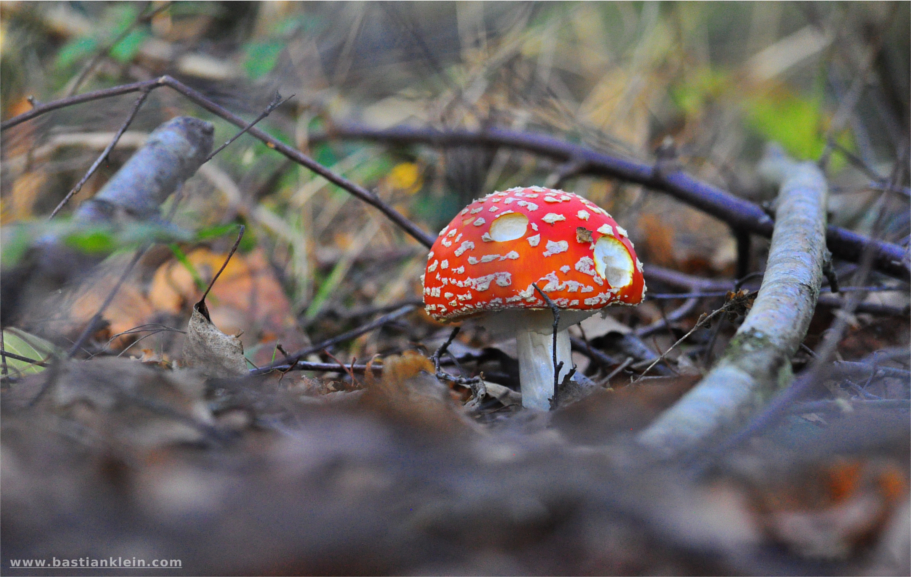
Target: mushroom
{"x": 489, "y": 259}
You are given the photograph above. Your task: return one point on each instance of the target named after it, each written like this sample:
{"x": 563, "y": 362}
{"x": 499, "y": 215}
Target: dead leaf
{"x": 211, "y": 351}
{"x": 247, "y": 298}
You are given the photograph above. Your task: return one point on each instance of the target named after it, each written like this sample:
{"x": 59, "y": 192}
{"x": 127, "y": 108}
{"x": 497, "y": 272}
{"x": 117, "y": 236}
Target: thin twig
{"x": 719, "y": 203}
{"x": 475, "y": 384}
{"x": 107, "y": 48}
{"x": 104, "y": 154}
{"x": 435, "y": 358}
{"x": 615, "y": 372}
{"x": 296, "y": 356}
{"x": 240, "y": 235}
{"x": 5, "y": 354}
{"x": 4, "y": 370}
{"x": 554, "y": 400}
{"x": 90, "y": 327}
{"x": 277, "y": 101}
{"x": 702, "y": 320}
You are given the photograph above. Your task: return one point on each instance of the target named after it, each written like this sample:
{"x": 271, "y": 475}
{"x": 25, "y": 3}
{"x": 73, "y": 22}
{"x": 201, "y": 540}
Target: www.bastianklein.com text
{"x": 96, "y": 563}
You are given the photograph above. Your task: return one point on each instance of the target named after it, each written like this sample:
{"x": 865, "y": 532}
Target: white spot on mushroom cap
{"x": 606, "y": 229}
{"x": 493, "y": 208}
{"x": 509, "y": 201}
{"x": 551, "y": 199}
{"x": 583, "y": 215}
{"x": 444, "y": 265}
{"x": 472, "y": 260}
{"x": 479, "y": 222}
{"x": 482, "y": 283}
{"x": 565, "y": 268}
{"x": 529, "y": 205}
{"x": 552, "y": 217}
{"x": 430, "y": 256}
{"x": 534, "y": 240}
{"x": 452, "y": 232}
{"x": 432, "y": 266}
{"x": 490, "y": 257}
{"x": 557, "y": 247}
{"x": 445, "y": 242}
{"x": 486, "y": 237}
{"x": 511, "y": 255}
{"x": 460, "y": 270}
{"x": 621, "y": 231}
{"x": 467, "y": 245}
{"x": 586, "y": 265}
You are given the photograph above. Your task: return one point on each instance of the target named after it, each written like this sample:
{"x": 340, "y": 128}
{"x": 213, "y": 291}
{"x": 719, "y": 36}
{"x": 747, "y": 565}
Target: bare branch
{"x": 739, "y": 213}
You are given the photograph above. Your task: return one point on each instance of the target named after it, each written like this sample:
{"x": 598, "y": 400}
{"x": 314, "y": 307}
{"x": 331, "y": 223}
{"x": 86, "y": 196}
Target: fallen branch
{"x": 737, "y": 212}
{"x": 757, "y": 362}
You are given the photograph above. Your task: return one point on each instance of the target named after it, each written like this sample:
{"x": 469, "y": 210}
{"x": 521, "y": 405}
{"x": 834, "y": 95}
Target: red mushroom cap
{"x": 490, "y": 255}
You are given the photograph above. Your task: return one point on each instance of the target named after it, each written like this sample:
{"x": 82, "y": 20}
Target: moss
{"x": 757, "y": 354}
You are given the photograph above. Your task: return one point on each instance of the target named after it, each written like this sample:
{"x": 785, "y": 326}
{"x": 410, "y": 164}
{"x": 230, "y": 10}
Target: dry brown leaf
{"x": 409, "y": 392}
{"x": 212, "y": 351}
{"x": 128, "y": 310}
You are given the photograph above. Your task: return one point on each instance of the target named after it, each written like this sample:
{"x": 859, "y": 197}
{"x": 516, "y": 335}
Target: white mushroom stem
{"x": 536, "y": 364}
{"x": 534, "y": 330}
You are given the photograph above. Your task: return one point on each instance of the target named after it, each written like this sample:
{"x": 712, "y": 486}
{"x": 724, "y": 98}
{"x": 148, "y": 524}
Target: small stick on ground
{"x": 346, "y": 336}
{"x": 476, "y": 384}
{"x": 702, "y": 320}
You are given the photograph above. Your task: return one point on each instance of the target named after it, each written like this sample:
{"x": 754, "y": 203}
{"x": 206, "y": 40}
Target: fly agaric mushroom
{"x": 489, "y": 259}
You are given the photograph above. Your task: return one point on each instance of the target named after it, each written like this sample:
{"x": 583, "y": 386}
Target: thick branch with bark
{"x": 757, "y": 362}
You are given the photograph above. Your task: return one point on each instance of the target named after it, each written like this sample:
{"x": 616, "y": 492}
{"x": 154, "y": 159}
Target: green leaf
{"x": 92, "y": 241}
{"x": 217, "y": 231}
{"x": 185, "y": 261}
{"x": 17, "y": 239}
{"x": 125, "y": 50}
{"x": 697, "y": 89}
{"x": 26, "y": 345}
{"x": 799, "y": 124}
{"x": 262, "y": 57}
{"x": 74, "y": 51}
